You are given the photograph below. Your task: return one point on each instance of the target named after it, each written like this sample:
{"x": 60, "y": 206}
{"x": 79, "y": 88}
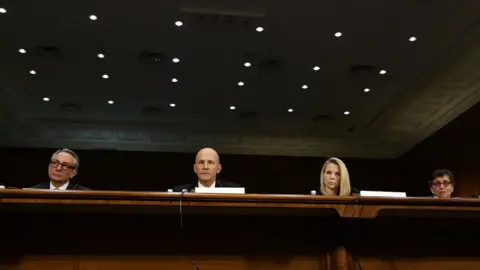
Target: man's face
{"x": 61, "y": 168}
{"x": 207, "y": 165}
{"x": 442, "y": 187}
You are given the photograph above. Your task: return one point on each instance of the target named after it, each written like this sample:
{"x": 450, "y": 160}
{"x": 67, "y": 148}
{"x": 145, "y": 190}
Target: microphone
{"x": 218, "y": 181}
{"x": 183, "y": 236}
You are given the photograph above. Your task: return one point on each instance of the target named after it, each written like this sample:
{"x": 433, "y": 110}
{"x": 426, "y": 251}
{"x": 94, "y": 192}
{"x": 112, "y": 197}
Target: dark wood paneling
{"x": 123, "y": 240}
{"x": 455, "y": 147}
{"x": 119, "y": 170}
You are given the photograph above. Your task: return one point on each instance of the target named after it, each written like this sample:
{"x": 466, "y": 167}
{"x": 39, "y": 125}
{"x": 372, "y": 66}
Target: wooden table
{"x": 153, "y": 230}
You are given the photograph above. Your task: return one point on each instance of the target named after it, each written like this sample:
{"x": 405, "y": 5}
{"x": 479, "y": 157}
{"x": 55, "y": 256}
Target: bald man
{"x": 207, "y": 166}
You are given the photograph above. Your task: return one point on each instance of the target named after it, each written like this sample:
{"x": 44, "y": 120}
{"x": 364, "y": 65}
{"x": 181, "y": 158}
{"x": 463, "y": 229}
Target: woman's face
{"x": 331, "y": 176}
{"x": 442, "y": 187}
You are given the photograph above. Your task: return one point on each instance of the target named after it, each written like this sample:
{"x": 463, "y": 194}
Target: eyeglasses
{"x": 438, "y": 184}
{"x": 63, "y": 166}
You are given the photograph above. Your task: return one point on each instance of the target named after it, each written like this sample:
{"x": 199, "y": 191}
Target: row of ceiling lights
{"x": 111, "y": 102}
{"x": 258, "y": 28}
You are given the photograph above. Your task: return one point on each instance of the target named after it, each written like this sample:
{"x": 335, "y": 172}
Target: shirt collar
{"x": 212, "y": 186}
{"x": 62, "y": 187}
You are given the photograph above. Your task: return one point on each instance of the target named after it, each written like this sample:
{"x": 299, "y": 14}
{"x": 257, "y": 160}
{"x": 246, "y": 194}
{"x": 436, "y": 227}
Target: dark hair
{"x": 442, "y": 172}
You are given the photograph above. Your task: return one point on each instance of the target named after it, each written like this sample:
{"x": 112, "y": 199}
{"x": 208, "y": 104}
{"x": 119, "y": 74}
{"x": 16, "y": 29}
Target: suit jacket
{"x": 192, "y": 186}
{"x": 70, "y": 186}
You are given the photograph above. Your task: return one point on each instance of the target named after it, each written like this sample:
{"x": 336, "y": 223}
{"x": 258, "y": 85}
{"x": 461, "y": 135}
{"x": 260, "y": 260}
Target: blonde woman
{"x": 334, "y": 178}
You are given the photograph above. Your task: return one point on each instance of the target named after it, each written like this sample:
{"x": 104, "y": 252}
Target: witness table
{"x": 152, "y": 230}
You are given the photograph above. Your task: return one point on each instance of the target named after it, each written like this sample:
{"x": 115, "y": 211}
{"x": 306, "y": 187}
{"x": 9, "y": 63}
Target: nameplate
{"x": 367, "y": 193}
{"x": 221, "y": 190}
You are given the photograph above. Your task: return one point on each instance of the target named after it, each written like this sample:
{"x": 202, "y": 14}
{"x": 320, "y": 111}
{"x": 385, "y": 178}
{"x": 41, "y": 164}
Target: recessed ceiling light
{"x": 290, "y": 110}
{"x": 316, "y": 68}
{"x": 346, "y": 112}
{"x": 172, "y": 105}
{"x": 178, "y": 23}
{"x": 174, "y": 80}
{"x": 2, "y": 10}
{"x": 93, "y": 17}
{"x": 101, "y": 55}
{"x": 259, "y": 29}
{"x": 105, "y": 76}
{"x": 241, "y": 84}
{"x": 176, "y": 60}
{"x": 22, "y": 51}
{"x": 110, "y": 102}
{"x": 247, "y": 64}
{"x": 338, "y": 34}
{"x": 383, "y": 71}
{"x": 232, "y": 108}
{"x": 304, "y": 86}
{"x": 46, "y": 99}
{"x": 366, "y": 90}
{"x": 33, "y": 72}
{"x": 412, "y": 39}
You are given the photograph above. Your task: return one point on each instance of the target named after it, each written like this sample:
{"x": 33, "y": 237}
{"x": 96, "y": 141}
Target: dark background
{"x": 454, "y": 147}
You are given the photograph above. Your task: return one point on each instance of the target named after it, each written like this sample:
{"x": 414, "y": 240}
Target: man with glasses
{"x": 207, "y": 166}
{"x": 62, "y": 168}
{"x": 442, "y": 184}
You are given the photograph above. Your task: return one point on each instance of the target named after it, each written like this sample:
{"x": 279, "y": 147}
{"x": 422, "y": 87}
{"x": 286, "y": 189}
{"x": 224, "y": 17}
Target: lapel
{"x": 193, "y": 186}
{"x": 70, "y": 186}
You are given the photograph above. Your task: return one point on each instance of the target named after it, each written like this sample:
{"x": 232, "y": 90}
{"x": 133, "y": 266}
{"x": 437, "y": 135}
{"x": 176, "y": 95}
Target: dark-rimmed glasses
{"x": 64, "y": 166}
{"x": 438, "y": 184}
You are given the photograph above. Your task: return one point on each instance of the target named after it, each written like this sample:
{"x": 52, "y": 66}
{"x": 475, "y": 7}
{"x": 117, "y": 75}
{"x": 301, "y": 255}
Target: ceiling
{"x": 428, "y": 82}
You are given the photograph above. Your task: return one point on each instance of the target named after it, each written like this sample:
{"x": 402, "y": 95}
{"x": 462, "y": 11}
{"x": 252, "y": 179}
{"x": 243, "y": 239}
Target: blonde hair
{"x": 345, "y": 188}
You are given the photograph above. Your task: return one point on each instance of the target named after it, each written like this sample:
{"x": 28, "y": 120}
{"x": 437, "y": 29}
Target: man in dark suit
{"x": 62, "y": 168}
{"x": 207, "y": 166}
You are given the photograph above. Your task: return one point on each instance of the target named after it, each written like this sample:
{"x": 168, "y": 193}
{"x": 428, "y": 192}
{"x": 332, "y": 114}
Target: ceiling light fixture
{"x": 304, "y": 86}
{"x": 412, "y": 39}
{"x": 290, "y": 110}
{"x": 366, "y": 90}
{"x": 232, "y": 108}
{"x": 110, "y": 102}
{"x": 247, "y": 64}
{"x": 383, "y": 71}
{"x": 2, "y": 10}
{"x": 178, "y": 23}
{"x": 316, "y": 68}
{"x": 338, "y": 34}
{"x": 101, "y": 55}
{"x": 105, "y": 76}
{"x": 33, "y": 72}
{"x": 93, "y": 17}
{"x": 174, "y": 80}
{"x": 346, "y": 112}
{"x": 22, "y": 51}
{"x": 176, "y": 60}
{"x": 172, "y": 105}
{"x": 46, "y": 99}
{"x": 259, "y": 29}
{"x": 241, "y": 84}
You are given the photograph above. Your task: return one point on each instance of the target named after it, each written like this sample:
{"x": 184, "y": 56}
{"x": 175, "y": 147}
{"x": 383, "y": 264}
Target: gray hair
{"x": 76, "y": 159}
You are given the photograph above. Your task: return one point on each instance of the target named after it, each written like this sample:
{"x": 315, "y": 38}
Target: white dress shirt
{"x": 200, "y": 185}
{"x": 62, "y": 187}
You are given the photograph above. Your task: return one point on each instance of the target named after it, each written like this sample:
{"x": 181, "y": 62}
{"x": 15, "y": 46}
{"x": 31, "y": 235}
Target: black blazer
{"x": 192, "y": 186}
{"x": 70, "y": 186}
